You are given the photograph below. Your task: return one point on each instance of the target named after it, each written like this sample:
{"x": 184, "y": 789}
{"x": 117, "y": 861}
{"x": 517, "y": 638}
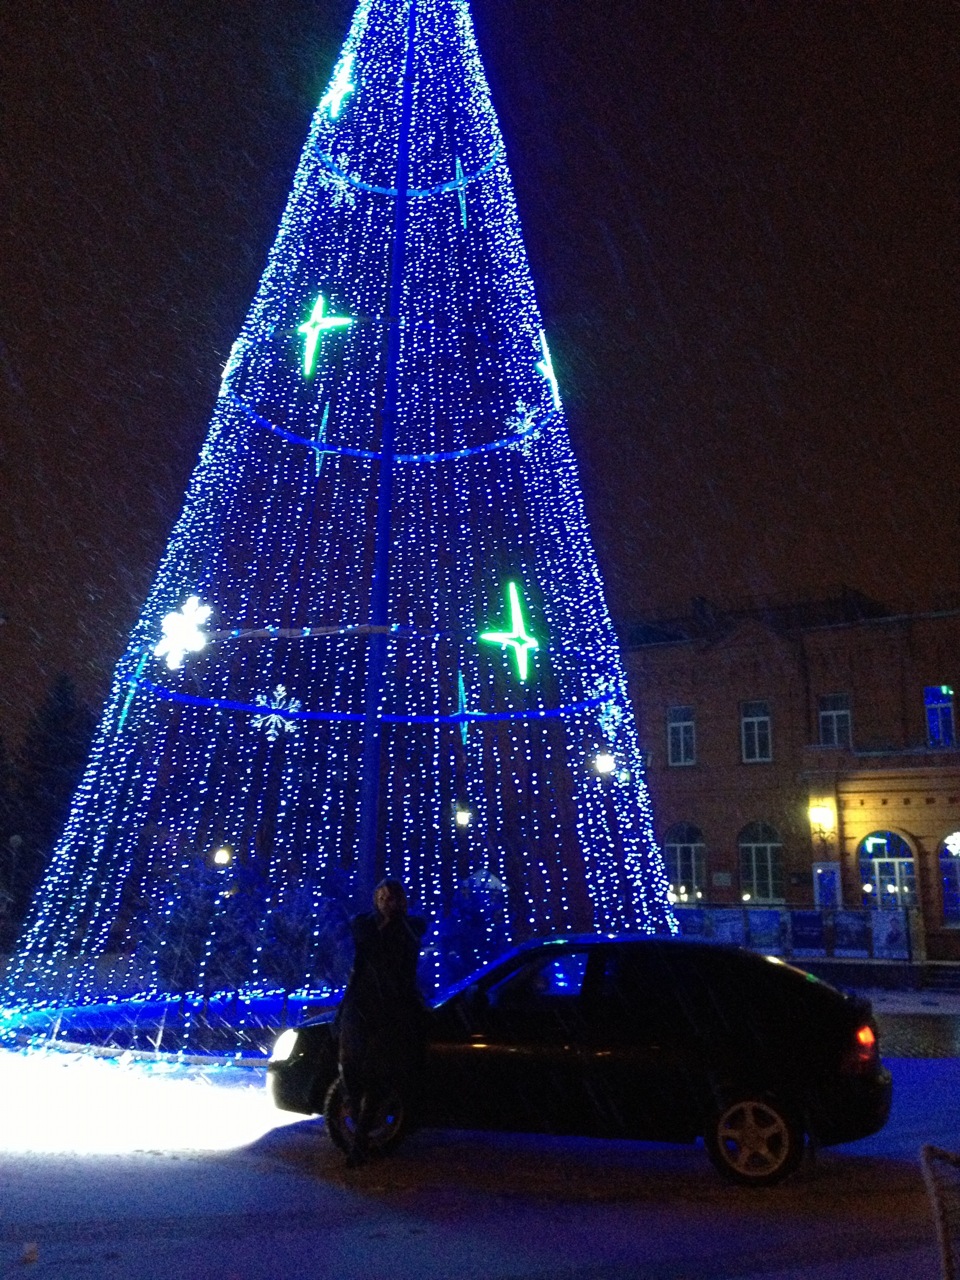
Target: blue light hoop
{"x": 358, "y": 717}
{"x": 442, "y": 188}
{"x": 371, "y": 455}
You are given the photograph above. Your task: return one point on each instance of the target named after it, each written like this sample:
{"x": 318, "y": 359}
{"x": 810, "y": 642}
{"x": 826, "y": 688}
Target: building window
{"x": 887, "y": 876}
{"x": 761, "y": 863}
{"x": 950, "y": 878}
{"x": 939, "y": 703}
{"x": 685, "y": 857}
{"x": 835, "y": 720}
{"x": 681, "y": 736}
{"x": 756, "y": 739}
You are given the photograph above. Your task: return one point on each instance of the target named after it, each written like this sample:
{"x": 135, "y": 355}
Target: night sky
{"x": 741, "y": 215}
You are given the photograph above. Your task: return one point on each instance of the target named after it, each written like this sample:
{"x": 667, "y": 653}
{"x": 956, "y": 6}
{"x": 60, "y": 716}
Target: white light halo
{"x": 82, "y": 1104}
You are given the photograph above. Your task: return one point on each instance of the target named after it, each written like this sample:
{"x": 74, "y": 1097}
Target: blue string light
{"x": 253, "y": 741}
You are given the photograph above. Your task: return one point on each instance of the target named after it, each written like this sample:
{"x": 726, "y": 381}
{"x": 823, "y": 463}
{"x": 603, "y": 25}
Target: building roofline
{"x": 709, "y": 622}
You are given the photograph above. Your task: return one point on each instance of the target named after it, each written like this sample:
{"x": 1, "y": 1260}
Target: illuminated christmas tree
{"x": 377, "y": 641}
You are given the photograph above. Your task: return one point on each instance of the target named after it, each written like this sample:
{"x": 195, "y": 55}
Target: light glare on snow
{"x": 58, "y": 1102}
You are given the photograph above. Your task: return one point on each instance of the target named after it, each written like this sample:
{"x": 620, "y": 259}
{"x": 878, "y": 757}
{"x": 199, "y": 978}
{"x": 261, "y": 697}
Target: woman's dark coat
{"x": 381, "y": 1016}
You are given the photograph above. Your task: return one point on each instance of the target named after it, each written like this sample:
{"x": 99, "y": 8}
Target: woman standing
{"x": 382, "y": 1012}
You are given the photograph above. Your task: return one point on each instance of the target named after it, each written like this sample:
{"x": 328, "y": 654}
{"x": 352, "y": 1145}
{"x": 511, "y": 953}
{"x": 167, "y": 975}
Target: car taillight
{"x": 863, "y": 1054}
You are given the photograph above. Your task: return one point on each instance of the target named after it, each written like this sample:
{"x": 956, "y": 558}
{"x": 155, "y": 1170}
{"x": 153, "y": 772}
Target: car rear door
{"x": 642, "y": 1055}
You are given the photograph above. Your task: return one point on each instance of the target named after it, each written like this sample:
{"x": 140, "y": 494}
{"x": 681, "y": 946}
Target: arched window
{"x": 685, "y": 856}
{"x": 761, "y": 863}
{"x": 950, "y": 878}
{"x": 887, "y": 876}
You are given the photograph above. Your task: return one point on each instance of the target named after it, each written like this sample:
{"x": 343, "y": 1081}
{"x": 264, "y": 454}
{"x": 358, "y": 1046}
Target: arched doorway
{"x": 950, "y": 878}
{"x": 685, "y": 856}
{"x": 887, "y": 872}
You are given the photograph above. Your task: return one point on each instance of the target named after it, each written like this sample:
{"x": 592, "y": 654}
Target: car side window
{"x": 542, "y": 983}
{"x": 637, "y": 994}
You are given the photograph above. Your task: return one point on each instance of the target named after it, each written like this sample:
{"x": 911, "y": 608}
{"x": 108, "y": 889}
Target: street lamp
{"x": 822, "y": 814}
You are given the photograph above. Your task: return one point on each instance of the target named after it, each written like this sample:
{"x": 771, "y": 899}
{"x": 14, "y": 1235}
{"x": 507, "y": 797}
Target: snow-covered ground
{"x": 125, "y": 1170}
{"x": 936, "y": 1003}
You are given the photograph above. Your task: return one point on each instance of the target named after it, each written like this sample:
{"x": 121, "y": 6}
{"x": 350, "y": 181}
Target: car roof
{"x": 665, "y": 943}
{"x": 566, "y": 941}
{"x": 626, "y": 939}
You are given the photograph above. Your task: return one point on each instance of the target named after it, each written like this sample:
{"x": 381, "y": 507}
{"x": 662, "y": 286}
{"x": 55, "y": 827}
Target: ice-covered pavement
{"x": 122, "y": 1170}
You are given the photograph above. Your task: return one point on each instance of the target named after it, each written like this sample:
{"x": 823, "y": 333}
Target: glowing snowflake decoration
{"x": 611, "y": 718}
{"x": 275, "y": 719}
{"x": 524, "y": 424}
{"x": 339, "y": 183}
{"x": 183, "y": 633}
{"x": 952, "y": 844}
{"x": 611, "y": 714}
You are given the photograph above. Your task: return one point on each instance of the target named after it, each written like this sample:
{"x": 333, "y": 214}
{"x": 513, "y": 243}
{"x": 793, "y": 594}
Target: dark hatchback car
{"x": 628, "y": 1037}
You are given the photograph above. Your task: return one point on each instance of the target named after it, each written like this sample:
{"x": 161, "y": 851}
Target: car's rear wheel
{"x": 754, "y": 1140}
{"x": 388, "y": 1125}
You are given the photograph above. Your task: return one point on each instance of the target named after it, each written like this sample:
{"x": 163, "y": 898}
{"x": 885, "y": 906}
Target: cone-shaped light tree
{"x": 377, "y": 641}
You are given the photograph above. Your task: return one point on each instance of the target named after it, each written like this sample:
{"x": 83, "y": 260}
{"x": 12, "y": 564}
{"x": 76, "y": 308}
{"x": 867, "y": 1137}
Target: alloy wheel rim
{"x": 386, "y": 1121}
{"x": 754, "y": 1138}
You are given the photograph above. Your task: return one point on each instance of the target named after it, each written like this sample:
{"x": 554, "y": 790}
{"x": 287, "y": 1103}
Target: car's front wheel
{"x": 754, "y": 1140}
{"x": 388, "y": 1124}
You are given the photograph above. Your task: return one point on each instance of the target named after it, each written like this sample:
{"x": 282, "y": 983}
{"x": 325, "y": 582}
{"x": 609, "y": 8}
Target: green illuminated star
{"x": 314, "y": 329}
{"x": 321, "y": 438}
{"x": 545, "y": 367}
{"x": 462, "y": 707}
{"x": 518, "y": 637}
{"x": 342, "y": 86}
{"x": 461, "y": 190}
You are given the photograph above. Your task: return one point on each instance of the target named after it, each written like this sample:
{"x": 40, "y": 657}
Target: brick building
{"x": 808, "y": 756}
